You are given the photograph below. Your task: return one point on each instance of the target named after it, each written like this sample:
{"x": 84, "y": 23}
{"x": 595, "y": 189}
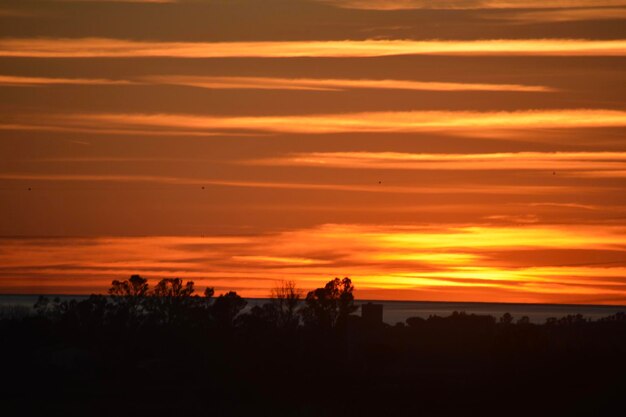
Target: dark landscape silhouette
{"x": 166, "y": 351}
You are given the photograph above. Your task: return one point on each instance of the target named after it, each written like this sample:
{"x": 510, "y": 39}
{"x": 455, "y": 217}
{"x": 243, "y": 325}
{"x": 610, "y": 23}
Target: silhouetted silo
{"x": 372, "y": 313}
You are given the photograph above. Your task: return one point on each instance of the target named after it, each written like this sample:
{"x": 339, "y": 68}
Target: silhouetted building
{"x": 372, "y": 313}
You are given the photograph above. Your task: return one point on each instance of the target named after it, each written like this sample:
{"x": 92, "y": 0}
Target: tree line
{"x": 167, "y": 350}
{"x": 172, "y": 302}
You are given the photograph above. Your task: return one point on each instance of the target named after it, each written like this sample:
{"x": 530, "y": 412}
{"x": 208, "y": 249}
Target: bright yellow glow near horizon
{"x": 422, "y": 261}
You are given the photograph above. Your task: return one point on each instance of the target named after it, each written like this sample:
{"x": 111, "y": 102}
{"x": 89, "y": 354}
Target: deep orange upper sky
{"x": 469, "y": 150}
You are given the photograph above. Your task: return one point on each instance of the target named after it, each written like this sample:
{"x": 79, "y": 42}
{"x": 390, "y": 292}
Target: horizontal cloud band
{"x": 118, "y": 48}
{"x": 488, "y": 263}
{"x": 318, "y": 84}
{"x": 469, "y": 4}
{"x": 272, "y": 83}
{"x": 592, "y": 161}
{"x": 362, "y": 188}
{"x": 402, "y": 122}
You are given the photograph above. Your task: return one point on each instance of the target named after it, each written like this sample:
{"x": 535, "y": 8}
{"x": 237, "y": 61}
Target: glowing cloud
{"x": 599, "y": 174}
{"x": 423, "y": 260}
{"x": 417, "y": 121}
{"x": 116, "y": 48}
{"x": 120, "y": 1}
{"x": 268, "y": 83}
{"x": 562, "y": 15}
{"x": 468, "y": 4}
{"x": 494, "y": 161}
{"x": 40, "y": 81}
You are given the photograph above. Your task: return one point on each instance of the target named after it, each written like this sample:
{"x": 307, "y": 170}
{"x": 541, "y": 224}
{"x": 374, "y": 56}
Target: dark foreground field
{"x": 163, "y": 351}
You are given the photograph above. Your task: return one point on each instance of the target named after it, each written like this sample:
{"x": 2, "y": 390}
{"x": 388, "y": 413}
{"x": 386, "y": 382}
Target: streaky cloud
{"x": 118, "y": 1}
{"x": 579, "y": 161}
{"x": 360, "y": 188}
{"x": 274, "y": 83}
{"x": 468, "y": 4}
{"x": 14, "y": 80}
{"x": 118, "y": 48}
{"x": 440, "y": 256}
{"x": 527, "y": 17}
{"x": 566, "y": 205}
{"x": 608, "y": 173}
{"x": 319, "y": 84}
{"x": 103, "y": 130}
{"x": 455, "y": 122}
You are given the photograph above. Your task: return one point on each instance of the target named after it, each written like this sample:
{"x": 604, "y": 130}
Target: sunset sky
{"x": 444, "y": 150}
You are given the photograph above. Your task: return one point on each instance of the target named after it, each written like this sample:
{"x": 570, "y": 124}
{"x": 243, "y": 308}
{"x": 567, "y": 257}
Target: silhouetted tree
{"x": 506, "y": 319}
{"x": 284, "y": 299}
{"x": 89, "y": 314}
{"x": 134, "y": 287}
{"x": 415, "y": 322}
{"x": 209, "y": 292}
{"x": 226, "y": 308}
{"x": 173, "y": 288}
{"x": 572, "y": 320}
{"x": 330, "y": 306}
{"x": 171, "y": 300}
{"x": 261, "y": 318}
{"x": 203, "y": 304}
{"x": 619, "y": 317}
{"x": 128, "y": 299}
{"x": 92, "y": 312}
{"x": 45, "y": 307}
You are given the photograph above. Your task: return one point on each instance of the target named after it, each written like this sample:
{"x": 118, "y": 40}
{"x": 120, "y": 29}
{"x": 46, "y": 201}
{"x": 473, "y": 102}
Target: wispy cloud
{"x": 468, "y": 4}
{"x": 103, "y": 130}
{"x": 579, "y": 161}
{"x": 14, "y": 80}
{"x": 561, "y": 15}
{"x": 608, "y": 173}
{"x": 115, "y": 48}
{"x": 565, "y": 205}
{"x": 117, "y": 1}
{"x": 358, "y": 187}
{"x": 272, "y": 83}
{"x": 497, "y": 125}
{"x": 416, "y": 121}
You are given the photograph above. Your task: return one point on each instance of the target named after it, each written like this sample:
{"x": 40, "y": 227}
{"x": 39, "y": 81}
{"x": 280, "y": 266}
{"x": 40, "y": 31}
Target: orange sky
{"x": 467, "y": 150}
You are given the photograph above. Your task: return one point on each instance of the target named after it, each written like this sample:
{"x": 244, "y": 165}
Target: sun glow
{"x": 482, "y": 260}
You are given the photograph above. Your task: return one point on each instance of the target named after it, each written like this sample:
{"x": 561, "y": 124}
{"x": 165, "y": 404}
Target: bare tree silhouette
{"x": 285, "y": 298}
